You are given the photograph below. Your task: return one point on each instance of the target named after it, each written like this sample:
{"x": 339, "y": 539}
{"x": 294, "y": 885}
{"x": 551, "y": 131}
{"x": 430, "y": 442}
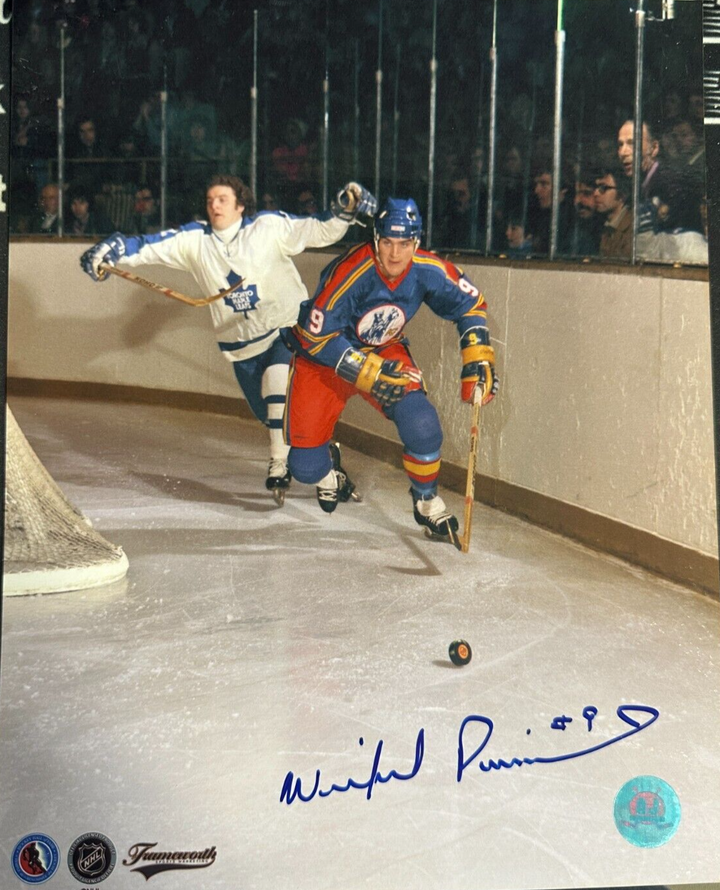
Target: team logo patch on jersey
{"x": 244, "y": 300}
{"x": 35, "y": 858}
{"x": 380, "y": 324}
{"x": 91, "y": 857}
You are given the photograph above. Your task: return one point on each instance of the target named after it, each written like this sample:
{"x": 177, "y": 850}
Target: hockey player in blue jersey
{"x": 349, "y": 339}
{"x": 239, "y": 246}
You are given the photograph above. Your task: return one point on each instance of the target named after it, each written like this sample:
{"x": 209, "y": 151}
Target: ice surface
{"x": 250, "y": 640}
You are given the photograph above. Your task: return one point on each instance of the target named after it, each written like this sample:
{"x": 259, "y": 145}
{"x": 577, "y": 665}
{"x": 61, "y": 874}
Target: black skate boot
{"x": 436, "y": 520}
{"x": 278, "y": 479}
{"x": 343, "y": 489}
{"x": 346, "y": 488}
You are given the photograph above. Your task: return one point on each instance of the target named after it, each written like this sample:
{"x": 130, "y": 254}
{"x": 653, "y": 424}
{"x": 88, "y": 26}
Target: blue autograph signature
{"x": 292, "y": 788}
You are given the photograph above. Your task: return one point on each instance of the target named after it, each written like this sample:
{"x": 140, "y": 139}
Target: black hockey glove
{"x": 386, "y": 381}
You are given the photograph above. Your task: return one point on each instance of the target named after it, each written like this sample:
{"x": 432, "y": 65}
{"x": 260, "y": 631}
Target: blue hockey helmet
{"x": 398, "y": 218}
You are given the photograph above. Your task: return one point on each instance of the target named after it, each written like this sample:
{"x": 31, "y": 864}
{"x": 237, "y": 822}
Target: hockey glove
{"x": 478, "y": 366}
{"x": 108, "y": 251}
{"x": 351, "y": 200}
{"x": 386, "y": 381}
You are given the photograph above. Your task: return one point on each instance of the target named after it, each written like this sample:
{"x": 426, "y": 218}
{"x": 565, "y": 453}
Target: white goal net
{"x": 49, "y": 545}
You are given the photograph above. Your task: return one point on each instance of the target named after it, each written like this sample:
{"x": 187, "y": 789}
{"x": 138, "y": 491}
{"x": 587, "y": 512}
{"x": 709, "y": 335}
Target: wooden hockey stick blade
{"x": 166, "y": 291}
{"x": 470, "y": 481}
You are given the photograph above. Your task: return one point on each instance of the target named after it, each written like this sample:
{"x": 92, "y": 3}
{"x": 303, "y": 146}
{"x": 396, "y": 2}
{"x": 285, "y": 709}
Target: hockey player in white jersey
{"x": 254, "y": 250}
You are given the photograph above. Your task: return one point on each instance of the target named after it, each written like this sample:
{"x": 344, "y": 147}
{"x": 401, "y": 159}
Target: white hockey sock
{"x": 432, "y": 507}
{"x": 278, "y": 449}
{"x": 328, "y": 481}
{"x": 273, "y": 387}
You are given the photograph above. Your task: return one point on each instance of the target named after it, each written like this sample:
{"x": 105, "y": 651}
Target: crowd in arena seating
{"x": 115, "y": 58}
{"x": 595, "y": 197}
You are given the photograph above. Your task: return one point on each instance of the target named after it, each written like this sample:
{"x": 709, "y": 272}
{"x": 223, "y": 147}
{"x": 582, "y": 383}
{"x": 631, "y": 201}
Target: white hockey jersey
{"x": 248, "y": 320}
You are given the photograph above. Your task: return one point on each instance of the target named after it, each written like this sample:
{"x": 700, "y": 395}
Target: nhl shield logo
{"x": 380, "y": 324}
{"x": 91, "y": 857}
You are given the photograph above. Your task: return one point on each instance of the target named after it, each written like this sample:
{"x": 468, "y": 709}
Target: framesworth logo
{"x": 149, "y": 861}
{"x": 91, "y": 857}
{"x": 35, "y": 858}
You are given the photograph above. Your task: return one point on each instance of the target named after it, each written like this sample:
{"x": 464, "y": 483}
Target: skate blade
{"x": 453, "y": 539}
{"x": 279, "y": 496}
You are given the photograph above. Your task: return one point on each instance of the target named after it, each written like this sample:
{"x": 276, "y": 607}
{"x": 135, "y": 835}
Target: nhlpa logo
{"x": 244, "y": 300}
{"x": 381, "y": 324}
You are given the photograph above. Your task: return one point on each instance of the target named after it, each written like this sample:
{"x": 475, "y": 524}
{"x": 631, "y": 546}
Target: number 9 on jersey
{"x": 316, "y": 321}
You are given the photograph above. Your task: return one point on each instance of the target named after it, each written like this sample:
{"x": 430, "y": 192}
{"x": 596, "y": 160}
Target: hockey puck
{"x": 460, "y": 652}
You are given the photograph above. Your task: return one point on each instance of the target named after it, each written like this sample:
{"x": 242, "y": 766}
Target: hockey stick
{"x": 166, "y": 291}
{"x": 472, "y": 462}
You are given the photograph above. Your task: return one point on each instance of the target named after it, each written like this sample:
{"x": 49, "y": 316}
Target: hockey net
{"x": 49, "y": 545}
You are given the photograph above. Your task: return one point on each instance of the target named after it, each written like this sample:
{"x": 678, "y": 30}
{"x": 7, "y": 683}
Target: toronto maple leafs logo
{"x": 381, "y": 324}
{"x": 244, "y": 300}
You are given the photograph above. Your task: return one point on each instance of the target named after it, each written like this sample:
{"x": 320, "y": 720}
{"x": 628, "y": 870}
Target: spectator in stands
{"x": 509, "y": 192}
{"x": 540, "y": 209}
{"x": 306, "y": 203}
{"x": 605, "y": 150}
{"x": 672, "y": 106}
{"x": 191, "y": 110}
{"x": 30, "y": 134}
{"x": 146, "y": 219}
{"x": 587, "y": 223}
{"x": 83, "y": 221}
{"x": 291, "y": 159}
{"x": 456, "y": 229}
{"x": 690, "y": 179}
{"x": 147, "y": 125}
{"x": 512, "y": 173}
{"x": 457, "y": 215}
{"x": 46, "y": 222}
{"x": 668, "y": 145}
{"x": 657, "y": 185}
{"x": 612, "y": 198}
{"x": 672, "y": 112}
{"x": 268, "y": 201}
{"x": 85, "y": 143}
{"x": 35, "y": 71}
{"x": 201, "y": 153}
{"x": 198, "y": 144}
{"x": 84, "y": 148}
{"x": 128, "y": 172}
{"x": 141, "y": 56}
{"x": 519, "y": 243}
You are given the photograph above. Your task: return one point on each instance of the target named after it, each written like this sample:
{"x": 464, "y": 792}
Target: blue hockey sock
{"x": 419, "y": 429}
{"x": 310, "y": 465}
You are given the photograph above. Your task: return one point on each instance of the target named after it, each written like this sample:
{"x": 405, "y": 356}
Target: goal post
{"x": 49, "y": 545}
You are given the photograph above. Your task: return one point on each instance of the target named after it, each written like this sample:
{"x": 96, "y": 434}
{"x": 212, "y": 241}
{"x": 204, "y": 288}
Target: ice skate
{"x": 436, "y": 520}
{"x": 278, "y": 479}
{"x": 346, "y": 488}
{"x": 337, "y": 486}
